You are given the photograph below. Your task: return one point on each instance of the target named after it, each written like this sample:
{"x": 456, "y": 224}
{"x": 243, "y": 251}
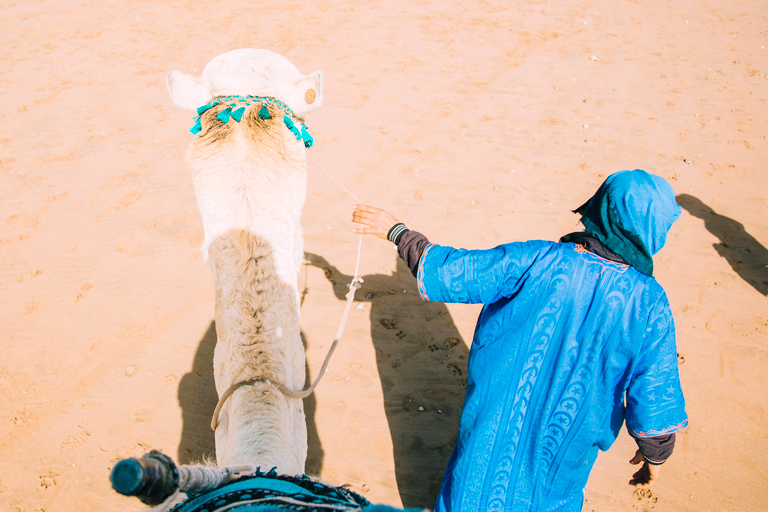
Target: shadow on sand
{"x": 422, "y": 364}
{"x": 742, "y": 251}
{"x": 197, "y": 398}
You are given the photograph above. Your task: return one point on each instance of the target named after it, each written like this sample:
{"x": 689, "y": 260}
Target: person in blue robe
{"x": 575, "y": 338}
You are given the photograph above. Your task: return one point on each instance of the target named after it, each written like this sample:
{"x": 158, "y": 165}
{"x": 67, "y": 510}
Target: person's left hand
{"x": 647, "y": 475}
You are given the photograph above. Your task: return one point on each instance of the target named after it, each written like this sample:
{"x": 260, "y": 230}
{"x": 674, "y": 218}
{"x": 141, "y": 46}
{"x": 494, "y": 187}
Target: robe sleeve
{"x": 655, "y": 403}
{"x": 446, "y": 274}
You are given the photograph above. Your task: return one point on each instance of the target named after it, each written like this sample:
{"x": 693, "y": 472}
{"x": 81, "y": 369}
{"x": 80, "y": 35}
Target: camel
{"x": 249, "y": 174}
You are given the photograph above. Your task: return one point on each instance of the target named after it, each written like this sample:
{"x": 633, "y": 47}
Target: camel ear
{"x": 310, "y": 88}
{"x": 187, "y": 91}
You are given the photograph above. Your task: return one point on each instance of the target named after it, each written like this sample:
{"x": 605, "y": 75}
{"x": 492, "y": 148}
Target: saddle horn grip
{"x": 152, "y": 478}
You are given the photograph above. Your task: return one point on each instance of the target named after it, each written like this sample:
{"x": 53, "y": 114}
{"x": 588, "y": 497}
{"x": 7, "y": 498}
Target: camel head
{"x": 249, "y": 72}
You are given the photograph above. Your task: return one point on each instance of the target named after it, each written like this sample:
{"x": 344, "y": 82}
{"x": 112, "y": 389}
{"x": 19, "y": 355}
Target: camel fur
{"x": 250, "y": 182}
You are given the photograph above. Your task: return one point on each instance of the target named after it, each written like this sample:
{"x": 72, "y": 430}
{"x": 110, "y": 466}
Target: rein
{"x": 353, "y": 286}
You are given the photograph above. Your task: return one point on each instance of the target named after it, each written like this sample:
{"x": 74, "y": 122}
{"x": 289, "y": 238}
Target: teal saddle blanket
{"x": 270, "y": 492}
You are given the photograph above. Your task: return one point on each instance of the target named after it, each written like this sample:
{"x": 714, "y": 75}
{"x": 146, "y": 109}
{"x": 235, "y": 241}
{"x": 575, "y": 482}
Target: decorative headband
{"x": 298, "y": 128}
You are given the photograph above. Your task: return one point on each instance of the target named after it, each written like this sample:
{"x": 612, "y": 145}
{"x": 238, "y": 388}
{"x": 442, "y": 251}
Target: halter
{"x": 236, "y": 107}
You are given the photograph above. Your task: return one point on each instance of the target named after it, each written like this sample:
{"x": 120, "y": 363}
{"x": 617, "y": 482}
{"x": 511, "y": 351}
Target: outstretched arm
{"x": 453, "y": 275}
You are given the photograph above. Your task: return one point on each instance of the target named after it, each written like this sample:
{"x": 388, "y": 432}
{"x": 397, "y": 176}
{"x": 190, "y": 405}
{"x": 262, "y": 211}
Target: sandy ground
{"x": 476, "y": 122}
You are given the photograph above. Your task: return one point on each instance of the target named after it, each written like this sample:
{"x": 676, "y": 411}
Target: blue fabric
{"x": 562, "y": 336}
{"x": 387, "y": 508}
{"x": 631, "y": 214}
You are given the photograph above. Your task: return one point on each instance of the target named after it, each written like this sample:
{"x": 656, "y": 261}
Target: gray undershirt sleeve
{"x": 410, "y": 245}
{"x": 656, "y": 449}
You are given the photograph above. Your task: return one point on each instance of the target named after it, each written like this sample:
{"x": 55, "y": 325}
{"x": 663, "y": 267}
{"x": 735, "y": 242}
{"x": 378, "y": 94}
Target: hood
{"x": 631, "y": 214}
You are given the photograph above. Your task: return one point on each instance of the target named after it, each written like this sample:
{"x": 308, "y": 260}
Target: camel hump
{"x": 255, "y": 311}
{"x": 246, "y": 279}
{"x": 242, "y": 253}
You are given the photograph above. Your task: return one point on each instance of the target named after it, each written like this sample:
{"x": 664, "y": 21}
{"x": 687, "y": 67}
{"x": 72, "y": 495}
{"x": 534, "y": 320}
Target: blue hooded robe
{"x": 564, "y": 338}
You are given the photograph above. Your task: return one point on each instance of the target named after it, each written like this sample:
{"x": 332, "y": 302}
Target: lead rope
{"x": 353, "y": 286}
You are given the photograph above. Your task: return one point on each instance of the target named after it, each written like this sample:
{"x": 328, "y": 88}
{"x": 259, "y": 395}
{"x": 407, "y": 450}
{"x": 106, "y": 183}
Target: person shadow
{"x": 747, "y": 257}
{"x": 422, "y": 364}
{"x": 198, "y": 398}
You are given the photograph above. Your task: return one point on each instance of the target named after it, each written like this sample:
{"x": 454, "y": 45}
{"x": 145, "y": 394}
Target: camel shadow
{"x": 197, "y": 398}
{"x": 422, "y": 364}
{"x": 742, "y": 251}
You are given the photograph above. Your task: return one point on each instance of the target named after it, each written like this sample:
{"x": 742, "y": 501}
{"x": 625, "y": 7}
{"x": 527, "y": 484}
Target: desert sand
{"x": 477, "y": 123}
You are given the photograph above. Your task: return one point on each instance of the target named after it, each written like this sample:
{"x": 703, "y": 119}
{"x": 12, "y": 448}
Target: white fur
{"x": 247, "y": 72}
{"x": 236, "y": 193}
{"x": 250, "y": 187}
{"x": 258, "y": 336}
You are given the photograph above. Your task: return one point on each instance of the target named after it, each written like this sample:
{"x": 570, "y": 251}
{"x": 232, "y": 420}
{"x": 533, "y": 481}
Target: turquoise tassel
{"x": 197, "y": 128}
{"x": 237, "y": 115}
{"x": 204, "y": 108}
{"x": 224, "y": 115}
{"x": 291, "y": 126}
{"x": 232, "y": 111}
{"x": 308, "y": 140}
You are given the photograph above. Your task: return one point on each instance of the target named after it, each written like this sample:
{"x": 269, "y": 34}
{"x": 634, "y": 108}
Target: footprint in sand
{"x": 49, "y": 479}
{"x": 451, "y": 342}
{"x": 387, "y": 323}
{"x": 75, "y": 440}
{"x": 455, "y": 370}
{"x": 645, "y": 498}
{"x": 83, "y": 290}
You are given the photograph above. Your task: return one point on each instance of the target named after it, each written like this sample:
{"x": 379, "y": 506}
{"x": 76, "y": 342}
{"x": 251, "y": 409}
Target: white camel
{"x": 249, "y": 173}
